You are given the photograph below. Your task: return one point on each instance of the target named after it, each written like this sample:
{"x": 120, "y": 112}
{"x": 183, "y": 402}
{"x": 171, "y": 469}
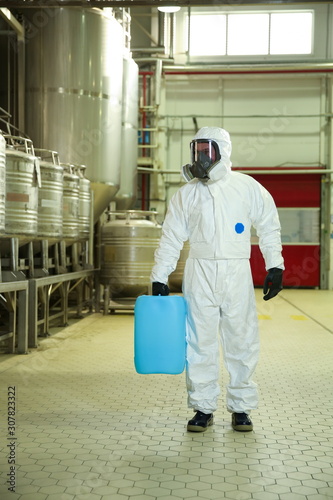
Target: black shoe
{"x": 200, "y": 422}
{"x": 241, "y": 422}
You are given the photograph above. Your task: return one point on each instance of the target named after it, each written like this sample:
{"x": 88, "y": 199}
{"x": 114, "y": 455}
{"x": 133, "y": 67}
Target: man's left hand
{"x": 273, "y": 283}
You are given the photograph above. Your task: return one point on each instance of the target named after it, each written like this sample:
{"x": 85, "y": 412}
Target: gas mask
{"x": 204, "y": 155}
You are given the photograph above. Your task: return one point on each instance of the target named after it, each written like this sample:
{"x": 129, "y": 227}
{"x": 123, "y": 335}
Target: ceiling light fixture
{"x": 169, "y": 10}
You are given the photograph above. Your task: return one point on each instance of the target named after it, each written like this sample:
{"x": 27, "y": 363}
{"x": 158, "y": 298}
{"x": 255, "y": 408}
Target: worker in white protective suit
{"x": 215, "y": 211}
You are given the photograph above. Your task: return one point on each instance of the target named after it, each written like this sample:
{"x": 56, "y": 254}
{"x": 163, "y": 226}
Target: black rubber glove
{"x": 160, "y": 288}
{"x": 273, "y": 283}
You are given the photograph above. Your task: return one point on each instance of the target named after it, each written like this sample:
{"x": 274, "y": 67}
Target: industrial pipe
{"x": 148, "y": 50}
{"x": 202, "y": 70}
{"x": 275, "y": 170}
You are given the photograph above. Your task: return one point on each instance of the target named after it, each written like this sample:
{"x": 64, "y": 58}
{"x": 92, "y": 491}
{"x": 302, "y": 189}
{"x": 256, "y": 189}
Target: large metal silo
{"x": 127, "y": 194}
{"x": 74, "y": 93}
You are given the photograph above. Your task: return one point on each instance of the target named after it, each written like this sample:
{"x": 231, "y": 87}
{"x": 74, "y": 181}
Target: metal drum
{"x": 176, "y": 278}
{"x": 22, "y": 182}
{"x": 71, "y": 195}
{"x": 84, "y": 202}
{"x": 50, "y": 195}
{"x": 128, "y": 240}
{"x": 2, "y": 182}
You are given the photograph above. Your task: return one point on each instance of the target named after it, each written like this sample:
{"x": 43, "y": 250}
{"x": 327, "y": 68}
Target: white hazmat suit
{"x": 215, "y": 215}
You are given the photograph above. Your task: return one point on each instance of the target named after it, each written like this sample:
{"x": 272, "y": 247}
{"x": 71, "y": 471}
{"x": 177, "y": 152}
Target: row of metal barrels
{"x": 39, "y": 196}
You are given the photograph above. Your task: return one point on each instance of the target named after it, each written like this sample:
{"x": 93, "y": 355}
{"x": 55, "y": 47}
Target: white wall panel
{"x": 189, "y": 97}
{"x": 272, "y": 140}
{"x": 265, "y": 139}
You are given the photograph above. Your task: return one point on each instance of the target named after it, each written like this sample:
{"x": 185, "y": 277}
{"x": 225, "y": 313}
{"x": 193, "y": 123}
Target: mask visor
{"x": 207, "y": 147}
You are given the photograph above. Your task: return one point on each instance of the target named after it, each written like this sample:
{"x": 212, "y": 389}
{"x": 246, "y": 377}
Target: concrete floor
{"x": 87, "y": 426}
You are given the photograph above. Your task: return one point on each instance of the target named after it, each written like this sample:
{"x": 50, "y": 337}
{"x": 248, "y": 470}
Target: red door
{"x": 297, "y": 197}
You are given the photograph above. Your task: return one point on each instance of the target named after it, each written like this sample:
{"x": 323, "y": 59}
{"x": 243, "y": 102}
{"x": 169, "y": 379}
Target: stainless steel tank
{"x": 74, "y": 92}
{"x": 127, "y": 194}
{"x": 71, "y": 194}
{"x": 22, "y": 182}
{"x": 50, "y": 196}
{"x": 176, "y": 278}
{"x": 2, "y": 182}
{"x": 128, "y": 243}
{"x": 84, "y": 202}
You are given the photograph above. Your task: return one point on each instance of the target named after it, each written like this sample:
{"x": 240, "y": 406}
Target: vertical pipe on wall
{"x": 9, "y": 86}
{"x": 325, "y": 186}
{"x": 21, "y": 82}
{"x": 172, "y": 34}
{"x": 161, "y": 30}
{"x": 188, "y": 34}
{"x": 144, "y": 124}
{"x": 329, "y": 165}
{"x": 323, "y": 122}
{"x": 158, "y": 79}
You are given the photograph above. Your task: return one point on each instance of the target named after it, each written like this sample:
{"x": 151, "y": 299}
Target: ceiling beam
{"x": 13, "y": 23}
{"x": 146, "y": 3}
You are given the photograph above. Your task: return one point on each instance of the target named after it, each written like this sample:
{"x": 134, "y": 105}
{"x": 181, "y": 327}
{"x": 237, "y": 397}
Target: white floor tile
{"x": 89, "y": 427}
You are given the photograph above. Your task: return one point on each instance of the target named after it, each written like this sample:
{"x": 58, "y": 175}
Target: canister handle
{"x": 20, "y": 143}
{"x": 46, "y": 154}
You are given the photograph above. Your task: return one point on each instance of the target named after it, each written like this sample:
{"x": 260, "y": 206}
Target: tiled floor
{"x": 88, "y": 427}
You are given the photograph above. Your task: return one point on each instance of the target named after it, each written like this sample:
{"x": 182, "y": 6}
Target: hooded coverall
{"x": 216, "y": 216}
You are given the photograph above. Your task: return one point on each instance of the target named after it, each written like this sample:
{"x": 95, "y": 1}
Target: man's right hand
{"x": 160, "y": 288}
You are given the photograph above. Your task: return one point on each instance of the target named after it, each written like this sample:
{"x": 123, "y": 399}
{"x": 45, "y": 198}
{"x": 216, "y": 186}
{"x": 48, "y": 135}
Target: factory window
{"x": 257, "y": 33}
{"x": 291, "y": 33}
{"x": 248, "y": 34}
{"x": 214, "y": 40}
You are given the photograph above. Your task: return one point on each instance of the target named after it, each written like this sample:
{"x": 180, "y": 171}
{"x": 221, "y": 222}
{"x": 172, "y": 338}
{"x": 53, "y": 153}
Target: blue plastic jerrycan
{"x": 159, "y": 334}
